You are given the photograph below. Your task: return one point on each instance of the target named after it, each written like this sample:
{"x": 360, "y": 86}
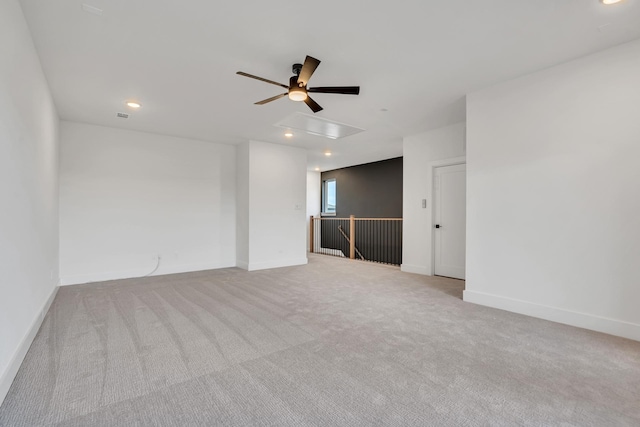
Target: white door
{"x": 450, "y": 220}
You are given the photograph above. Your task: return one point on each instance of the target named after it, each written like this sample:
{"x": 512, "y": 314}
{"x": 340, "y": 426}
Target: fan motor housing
{"x": 293, "y": 82}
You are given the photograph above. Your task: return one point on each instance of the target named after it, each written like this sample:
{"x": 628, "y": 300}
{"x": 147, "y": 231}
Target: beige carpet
{"x": 335, "y": 342}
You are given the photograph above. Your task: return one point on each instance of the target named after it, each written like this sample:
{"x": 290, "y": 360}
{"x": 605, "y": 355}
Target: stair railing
{"x": 367, "y": 239}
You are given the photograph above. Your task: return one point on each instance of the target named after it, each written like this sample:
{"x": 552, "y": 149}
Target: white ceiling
{"x": 415, "y": 58}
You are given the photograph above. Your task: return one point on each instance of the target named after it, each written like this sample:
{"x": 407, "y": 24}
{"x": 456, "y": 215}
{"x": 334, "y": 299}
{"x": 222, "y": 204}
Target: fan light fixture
{"x": 297, "y": 94}
{"x": 297, "y": 87}
{"x": 610, "y": 1}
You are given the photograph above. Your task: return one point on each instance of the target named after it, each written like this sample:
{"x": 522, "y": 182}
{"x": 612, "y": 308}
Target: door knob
{"x": 437, "y": 225}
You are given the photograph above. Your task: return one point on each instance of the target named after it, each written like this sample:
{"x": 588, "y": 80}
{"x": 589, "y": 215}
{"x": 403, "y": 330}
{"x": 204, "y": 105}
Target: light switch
{"x": 424, "y": 203}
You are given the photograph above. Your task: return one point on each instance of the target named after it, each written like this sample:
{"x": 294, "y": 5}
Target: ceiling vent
{"x": 122, "y": 115}
{"x": 91, "y": 9}
{"x": 317, "y": 126}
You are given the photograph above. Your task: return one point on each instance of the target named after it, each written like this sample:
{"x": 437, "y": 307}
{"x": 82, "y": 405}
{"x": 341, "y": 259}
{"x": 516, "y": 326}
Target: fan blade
{"x": 251, "y": 76}
{"x": 313, "y": 104}
{"x": 344, "y": 90}
{"x": 273, "y": 98}
{"x": 309, "y": 66}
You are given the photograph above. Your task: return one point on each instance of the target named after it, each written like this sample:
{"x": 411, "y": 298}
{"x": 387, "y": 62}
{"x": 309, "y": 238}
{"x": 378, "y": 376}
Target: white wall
{"x": 242, "y": 204}
{"x": 128, "y": 196}
{"x": 313, "y": 198}
{"x": 276, "y": 204}
{"x": 29, "y": 189}
{"x": 553, "y": 164}
{"x": 421, "y": 153}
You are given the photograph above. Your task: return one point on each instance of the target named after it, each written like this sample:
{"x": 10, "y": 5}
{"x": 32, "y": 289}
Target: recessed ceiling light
{"x": 317, "y": 169}
{"x": 610, "y": 1}
{"x": 288, "y": 134}
{"x": 327, "y": 153}
{"x": 133, "y": 104}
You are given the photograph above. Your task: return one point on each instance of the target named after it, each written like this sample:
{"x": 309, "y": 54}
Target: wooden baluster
{"x": 352, "y": 237}
{"x": 311, "y": 234}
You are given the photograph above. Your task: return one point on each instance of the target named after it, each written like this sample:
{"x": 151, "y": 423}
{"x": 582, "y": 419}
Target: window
{"x": 329, "y": 197}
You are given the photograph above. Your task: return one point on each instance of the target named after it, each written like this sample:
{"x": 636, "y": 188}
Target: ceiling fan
{"x": 297, "y": 88}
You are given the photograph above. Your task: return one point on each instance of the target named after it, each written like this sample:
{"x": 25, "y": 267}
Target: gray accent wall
{"x": 372, "y": 190}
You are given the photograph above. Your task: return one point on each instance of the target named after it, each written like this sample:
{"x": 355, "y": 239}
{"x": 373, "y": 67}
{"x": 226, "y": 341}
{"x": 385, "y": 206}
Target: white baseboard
{"x": 253, "y": 266}
{"x": 7, "y": 377}
{"x": 242, "y": 264}
{"x": 136, "y": 273}
{"x": 417, "y": 269}
{"x": 581, "y": 320}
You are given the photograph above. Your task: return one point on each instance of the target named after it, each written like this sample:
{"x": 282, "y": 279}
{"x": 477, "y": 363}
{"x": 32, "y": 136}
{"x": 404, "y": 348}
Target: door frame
{"x": 431, "y": 166}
